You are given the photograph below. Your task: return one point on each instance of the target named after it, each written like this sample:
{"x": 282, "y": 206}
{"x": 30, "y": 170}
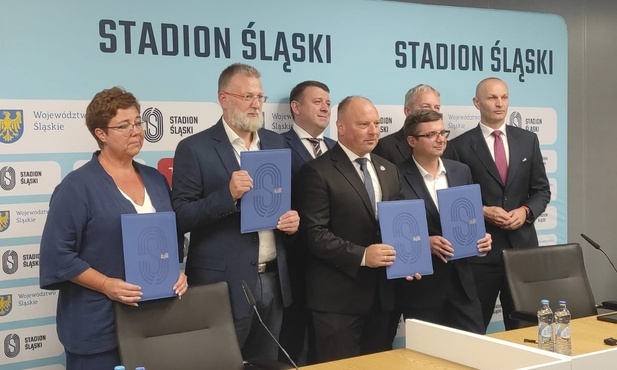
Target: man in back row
{"x": 507, "y": 163}
{"x": 394, "y": 147}
{"x": 309, "y": 103}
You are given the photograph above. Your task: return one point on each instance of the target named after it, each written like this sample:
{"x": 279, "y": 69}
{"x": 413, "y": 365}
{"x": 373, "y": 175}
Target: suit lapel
{"x": 295, "y": 143}
{"x": 223, "y": 148}
{"x": 402, "y": 146}
{"x": 414, "y": 179}
{"x": 329, "y": 142}
{"x": 342, "y": 163}
{"x": 478, "y": 145}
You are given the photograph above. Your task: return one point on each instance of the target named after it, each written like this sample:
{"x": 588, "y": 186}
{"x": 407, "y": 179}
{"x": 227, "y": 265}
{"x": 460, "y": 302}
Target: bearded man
{"x": 207, "y": 189}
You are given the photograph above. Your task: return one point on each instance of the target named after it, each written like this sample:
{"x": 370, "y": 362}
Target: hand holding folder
{"x": 403, "y": 225}
{"x": 150, "y": 244}
{"x": 263, "y": 205}
{"x": 462, "y": 219}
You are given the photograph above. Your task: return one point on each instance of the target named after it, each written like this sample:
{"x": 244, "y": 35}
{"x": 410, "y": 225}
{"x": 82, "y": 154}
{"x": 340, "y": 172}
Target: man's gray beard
{"x": 245, "y": 123}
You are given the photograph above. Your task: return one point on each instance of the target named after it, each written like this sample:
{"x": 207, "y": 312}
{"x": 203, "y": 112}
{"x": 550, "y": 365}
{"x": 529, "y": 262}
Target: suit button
{"x": 505, "y": 199}
{"x": 255, "y": 238}
{"x": 253, "y": 263}
{"x": 378, "y": 233}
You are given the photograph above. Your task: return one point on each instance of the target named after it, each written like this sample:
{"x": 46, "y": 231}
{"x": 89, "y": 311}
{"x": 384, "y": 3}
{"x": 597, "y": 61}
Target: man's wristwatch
{"x": 529, "y": 215}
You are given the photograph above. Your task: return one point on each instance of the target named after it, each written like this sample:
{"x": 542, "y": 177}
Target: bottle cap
{"x": 120, "y": 367}
{"x": 140, "y": 368}
{"x": 544, "y": 301}
{"x": 562, "y": 302}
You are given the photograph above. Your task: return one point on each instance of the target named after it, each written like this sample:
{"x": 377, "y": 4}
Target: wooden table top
{"x": 588, "y": 334}
{"x": 397, "y": 359}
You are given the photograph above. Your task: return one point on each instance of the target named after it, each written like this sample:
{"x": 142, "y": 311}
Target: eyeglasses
{"x": 248, "y": 98}
{"x": 433, "y": 134}
{"x": 126, "y": 129}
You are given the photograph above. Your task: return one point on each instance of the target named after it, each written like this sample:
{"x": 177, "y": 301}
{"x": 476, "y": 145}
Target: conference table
{"x": 390, "y": 360}
{"x": 588, "y": 334}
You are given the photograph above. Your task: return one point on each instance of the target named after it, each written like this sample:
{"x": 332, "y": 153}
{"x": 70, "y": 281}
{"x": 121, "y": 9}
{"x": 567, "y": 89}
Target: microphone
{"x": 249, "y": 297}
{"x": 597, "y": 246}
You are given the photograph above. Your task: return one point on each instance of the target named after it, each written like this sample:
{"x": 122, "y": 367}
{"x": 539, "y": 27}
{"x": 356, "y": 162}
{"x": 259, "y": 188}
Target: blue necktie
{"x": 368, "y": 181}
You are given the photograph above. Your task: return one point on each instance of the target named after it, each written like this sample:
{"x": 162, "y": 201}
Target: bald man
{"x": 507, "y": 163}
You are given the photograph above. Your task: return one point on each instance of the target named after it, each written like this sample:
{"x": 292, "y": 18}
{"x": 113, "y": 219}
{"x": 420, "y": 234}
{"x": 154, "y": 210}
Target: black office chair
{"x": 555, "y": 273}
{"x": 195, "y": 332}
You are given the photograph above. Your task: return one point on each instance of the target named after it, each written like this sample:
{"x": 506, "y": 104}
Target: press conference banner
{"x": 54, "y": 56}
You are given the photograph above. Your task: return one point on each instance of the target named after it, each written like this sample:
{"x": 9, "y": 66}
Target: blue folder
{"x": 263, "y": 205}
{"x": 150, "y": 243}
{"x": 403, "y": 226}
{"x": 462, "y": 218}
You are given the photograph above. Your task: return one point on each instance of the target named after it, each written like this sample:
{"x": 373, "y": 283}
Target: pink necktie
{"x": 500, "y": 156}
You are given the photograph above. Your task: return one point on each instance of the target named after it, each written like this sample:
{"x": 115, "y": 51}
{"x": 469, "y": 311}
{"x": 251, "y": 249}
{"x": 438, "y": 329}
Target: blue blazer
{"x": 203, "y": 165}
{"x": 83, "y": 230}
{"x": 299, "y": 154}
{"x": 432, "y": 290}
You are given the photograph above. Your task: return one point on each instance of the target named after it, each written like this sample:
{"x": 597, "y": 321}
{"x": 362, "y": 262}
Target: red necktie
{"x": 500, "y": 156}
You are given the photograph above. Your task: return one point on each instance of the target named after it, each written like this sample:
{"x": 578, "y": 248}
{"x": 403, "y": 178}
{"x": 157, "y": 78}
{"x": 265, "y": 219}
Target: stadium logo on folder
{"x": 268, "y": 183}
{"x": 153, "y": 253}
{"x": 406, "y": 227}
{"x": 11, "y": 125}
{"x": 464, "y": 232}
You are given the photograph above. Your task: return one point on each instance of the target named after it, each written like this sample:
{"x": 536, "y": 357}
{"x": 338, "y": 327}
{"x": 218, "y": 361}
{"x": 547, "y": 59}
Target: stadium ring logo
{"x": 153, "y": 124}
{"x": 11, "y": 345}
{"x": 7, "y": 178}
{"x": 516, "y": 120}
{"x": 10, "y": 262}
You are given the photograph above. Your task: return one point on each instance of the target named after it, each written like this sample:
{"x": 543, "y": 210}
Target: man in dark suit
{"x": 507, "y": 163}
{"x": 336, "y": 195}
{"x": 394, "y": 147}
{"x": 207, "y": 188}
{"x": 309, "y": 103}
{"x": 448, "y": 296}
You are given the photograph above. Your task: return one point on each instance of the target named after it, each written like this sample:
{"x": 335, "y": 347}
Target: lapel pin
{"x": 382, "y": 168}
{"x": 524, "y": 159}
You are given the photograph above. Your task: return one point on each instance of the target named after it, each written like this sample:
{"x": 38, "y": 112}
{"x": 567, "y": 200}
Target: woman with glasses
{"x": 81, "y": 245}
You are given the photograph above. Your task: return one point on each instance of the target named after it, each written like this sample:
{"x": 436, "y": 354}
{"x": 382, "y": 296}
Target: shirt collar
{"x": 353, "y": 156}
{"x": 441, "y": 171}
{"x": 487, "y": 131}
{"x": 302, "y": 134}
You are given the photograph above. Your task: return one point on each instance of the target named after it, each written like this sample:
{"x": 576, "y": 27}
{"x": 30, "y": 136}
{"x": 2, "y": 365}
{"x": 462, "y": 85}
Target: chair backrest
{"x": 195, "y": 332}
{"x": 555, "y": 273}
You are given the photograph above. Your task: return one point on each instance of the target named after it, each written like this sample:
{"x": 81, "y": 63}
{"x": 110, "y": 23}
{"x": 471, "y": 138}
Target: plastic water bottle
{"x": 546, "y": 340}
{"x": 563, "y": 345}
